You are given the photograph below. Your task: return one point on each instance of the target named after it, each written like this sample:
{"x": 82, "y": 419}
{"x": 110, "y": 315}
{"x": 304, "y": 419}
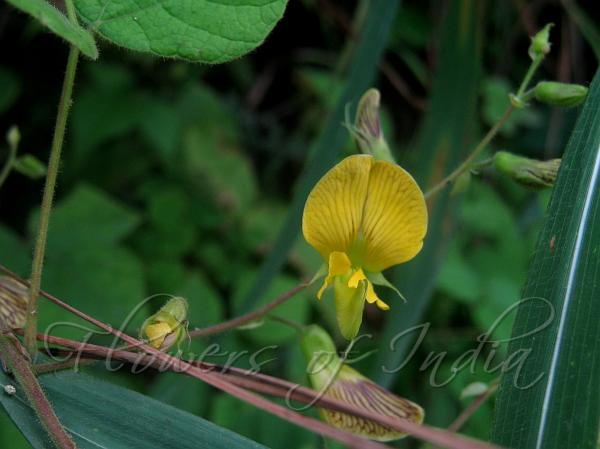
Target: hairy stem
{"x": 53, "y": 166}
{"x": 34, "y": 393}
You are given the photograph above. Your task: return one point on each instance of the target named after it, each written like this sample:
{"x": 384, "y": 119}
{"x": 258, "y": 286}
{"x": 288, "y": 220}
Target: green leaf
{"x": 30, "y": 166}
{"x": 99, "y": 414}
{"x": 201, "y": 30}
{"x": 87, "y": 217}
{"x": 557, "y": 320}
{"x": 59, "y": 24}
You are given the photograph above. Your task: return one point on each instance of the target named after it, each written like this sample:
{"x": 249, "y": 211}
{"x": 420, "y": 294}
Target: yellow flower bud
{"x": 13, "y": 303}
{"x": 168, "y": 326}
{"x": 329, "y": 375}
{"x": 529, "y": 172}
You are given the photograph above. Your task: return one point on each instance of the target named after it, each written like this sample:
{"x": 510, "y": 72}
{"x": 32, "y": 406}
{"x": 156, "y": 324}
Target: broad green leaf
{"x": 89, "y": 218}
{"x": 444, "y": 136}
{"x": 370, "y": 45}
{"x": 197, "y": 30}
{"x": 58, "y": 23}
{"x": 101, "y": 415}
{"x": 552, "y": 401}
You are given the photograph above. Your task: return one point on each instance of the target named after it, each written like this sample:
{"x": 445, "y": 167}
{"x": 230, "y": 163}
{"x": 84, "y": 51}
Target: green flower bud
{"x": 13, "y": 303}
{"x": 560, "y": 94}
{"x": 367, "y": 127}
{"x": 540, "y": 43}
{"x": 330, "y": 376}
{"x": 168, "y": 326}
{"x": 528, "y": 172}
{"x": 13, "y": 137}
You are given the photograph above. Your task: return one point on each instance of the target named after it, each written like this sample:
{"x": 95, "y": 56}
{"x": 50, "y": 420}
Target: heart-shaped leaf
{"x": 206, "y": 31}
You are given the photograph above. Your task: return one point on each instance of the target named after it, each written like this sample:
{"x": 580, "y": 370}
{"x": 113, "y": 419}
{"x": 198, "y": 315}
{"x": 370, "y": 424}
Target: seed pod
{"x": 560, "y": 94}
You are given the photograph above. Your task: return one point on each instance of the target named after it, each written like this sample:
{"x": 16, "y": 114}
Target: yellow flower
{"x": 363, "y": 216}
{"x": 13, "y": 303}
{"x": 330, "y": 376}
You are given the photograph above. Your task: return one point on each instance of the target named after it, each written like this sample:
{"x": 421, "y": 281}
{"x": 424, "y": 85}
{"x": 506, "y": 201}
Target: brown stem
{"x": 471, "y": 409}
{"x": 276, "y": 387}
{"x": 21, "y": 369}
{"x": 236, "y": 322}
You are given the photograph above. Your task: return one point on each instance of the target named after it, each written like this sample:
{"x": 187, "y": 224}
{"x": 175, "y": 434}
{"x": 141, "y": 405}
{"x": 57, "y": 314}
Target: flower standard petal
{"x": 394, "y": 218}
{"x": 334, "y": 208}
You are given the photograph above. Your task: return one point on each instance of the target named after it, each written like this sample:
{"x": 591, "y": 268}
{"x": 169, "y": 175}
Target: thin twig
{"x": 33, "y": 391}
{"x": 254, "y": 315}
{"x": 471, "y": 409}
{"x": 478, "y": 149}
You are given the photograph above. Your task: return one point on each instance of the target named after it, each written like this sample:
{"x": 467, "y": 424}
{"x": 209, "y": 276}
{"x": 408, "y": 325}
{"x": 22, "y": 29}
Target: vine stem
{"x": 466, "y": 164}
{"x": 12, "y": 353}
{"x": 53, "y": 166}
{"x": 254, "y": 315}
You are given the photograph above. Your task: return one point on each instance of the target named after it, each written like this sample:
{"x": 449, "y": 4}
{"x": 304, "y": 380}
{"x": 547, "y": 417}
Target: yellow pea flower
{"x": 363, "y": 216}
{"x": 330, "y": 376}
{"x": 13, "y": 303}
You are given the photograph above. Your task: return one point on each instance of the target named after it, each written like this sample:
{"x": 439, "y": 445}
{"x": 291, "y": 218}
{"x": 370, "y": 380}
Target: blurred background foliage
{"x": 177, "y": 177}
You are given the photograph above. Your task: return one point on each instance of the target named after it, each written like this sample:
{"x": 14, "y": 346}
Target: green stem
{"x": 34, "y": 393}
{"x": 530, "y": 72}
{"x": 469, "y": 160}
{"x": 10, "y": 160}
{"x": 53, "y": 165}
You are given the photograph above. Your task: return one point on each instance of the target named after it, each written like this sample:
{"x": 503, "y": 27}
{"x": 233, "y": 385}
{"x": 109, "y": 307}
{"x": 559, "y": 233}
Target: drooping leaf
{"x": 59, "y": 24}
{"x": 99, "y": 414}
{"x": 553, "y": 401}
{"x": 197, "y": 30}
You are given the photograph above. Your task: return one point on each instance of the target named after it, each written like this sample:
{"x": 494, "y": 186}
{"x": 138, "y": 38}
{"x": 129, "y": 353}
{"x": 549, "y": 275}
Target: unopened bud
{"x": 13, "y": 137}
{"x": 168, "y": 326}
{"x": 540, "y": 43}
{"x": 367, "y": 126}
{"x": 560, "y": 94}
{"x": 528, "y": 172}
{"x": 13, "y": 303}
{"x": 330, "y": 376}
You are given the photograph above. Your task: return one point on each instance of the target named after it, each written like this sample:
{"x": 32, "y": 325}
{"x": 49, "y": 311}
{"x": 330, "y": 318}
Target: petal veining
{"x": 334, "y": 209}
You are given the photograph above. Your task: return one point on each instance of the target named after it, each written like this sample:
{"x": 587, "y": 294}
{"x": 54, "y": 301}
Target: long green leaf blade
{"x": 102, "y": 415}
{"x": 553, "y": 400}
{"x": 58, "y": 23}
{"x": 445, "y": 135}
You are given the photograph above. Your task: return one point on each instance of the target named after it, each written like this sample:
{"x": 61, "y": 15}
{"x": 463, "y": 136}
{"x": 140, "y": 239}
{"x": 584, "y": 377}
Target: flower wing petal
{"x": 395, "y": 217}
{"x": 334, "y": 208}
